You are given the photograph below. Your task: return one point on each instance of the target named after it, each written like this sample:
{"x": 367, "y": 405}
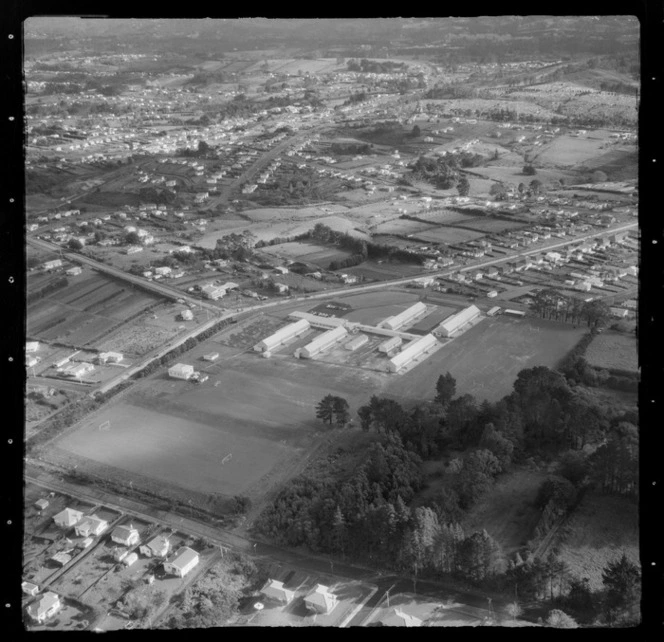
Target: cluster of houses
{"x": 126, "y": 540}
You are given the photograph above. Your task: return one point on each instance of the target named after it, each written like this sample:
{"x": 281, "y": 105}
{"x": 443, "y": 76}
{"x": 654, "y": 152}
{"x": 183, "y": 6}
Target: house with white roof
{"x": 47, "y": 606}
{"x": 398, "y": 617}
{"x": 125, "y": 535}
{"x": 90, "y": 526}
{"x": 158, "y": 546}
{"x": 68, "y": 518}
{"x": 182, "y": 561}
{"x": 320, "y": 600}
{"x": 274, "y": 590}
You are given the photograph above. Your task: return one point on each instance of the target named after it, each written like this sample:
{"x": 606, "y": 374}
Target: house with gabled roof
{"x": 158, "y": 546}
{"x": 182, "y": 561}
{"x": 90, "y": 526}
{"x": 45, "y": 607}
{"x": 274, "y": 590}
{"x": 320, "y": 600}
{"x": 399, "y": 617}
{"x": 125, "y": 535}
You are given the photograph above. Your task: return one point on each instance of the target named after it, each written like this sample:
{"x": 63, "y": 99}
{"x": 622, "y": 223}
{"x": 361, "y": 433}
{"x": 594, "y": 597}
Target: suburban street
{"x": 469, "y": 603}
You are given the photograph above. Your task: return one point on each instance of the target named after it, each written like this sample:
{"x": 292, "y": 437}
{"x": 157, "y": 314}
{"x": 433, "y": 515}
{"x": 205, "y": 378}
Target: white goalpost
{"x": 106, "y": 425}
{"x": 226, "y": 458}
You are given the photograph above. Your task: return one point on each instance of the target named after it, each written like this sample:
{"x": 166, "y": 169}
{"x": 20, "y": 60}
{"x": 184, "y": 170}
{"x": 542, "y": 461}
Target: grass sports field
{"x": 177, "y": 432}
{"x": 486, "y": 359}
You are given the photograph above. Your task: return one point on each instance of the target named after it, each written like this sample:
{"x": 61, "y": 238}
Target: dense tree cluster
{"x": 361, "y": 249}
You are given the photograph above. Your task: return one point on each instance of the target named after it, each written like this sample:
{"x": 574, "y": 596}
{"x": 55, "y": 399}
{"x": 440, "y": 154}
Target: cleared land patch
{"x": 176, "y": 433}
{"x": 599, "y": 531}
{"x": 613, "y": 351}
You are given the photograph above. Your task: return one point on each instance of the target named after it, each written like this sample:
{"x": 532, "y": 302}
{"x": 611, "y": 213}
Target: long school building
{"x": 457, "y": 321}
{"x": 412, "y": 351}
{"x": 401, "y": 319}
{"x": 280, "y": 337}
{"x": 391, "y": 344}
{"x": 324, "y": 341}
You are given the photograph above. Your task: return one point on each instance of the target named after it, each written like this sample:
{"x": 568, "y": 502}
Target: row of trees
{"x": 550, "y": 303}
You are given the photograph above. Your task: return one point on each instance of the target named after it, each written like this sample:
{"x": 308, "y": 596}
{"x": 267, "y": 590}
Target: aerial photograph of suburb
{"x": 331, "y": 323}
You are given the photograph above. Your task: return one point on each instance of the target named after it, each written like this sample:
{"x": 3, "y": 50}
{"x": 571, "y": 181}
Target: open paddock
{"x": 448, "y": 235}
{"x": 486, "y": 359}
{"x": 374, "y": 271}
{"x": 176, "y": 433}
{"x": 320, "y": 255}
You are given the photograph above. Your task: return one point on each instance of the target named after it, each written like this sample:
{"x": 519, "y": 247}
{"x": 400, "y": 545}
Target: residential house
{"x": 125, "y": 535}
{"x": 47, "y": 606}
{"x": 398, "y": 617}
{"x": 182, "y": 561}
{"x": 320, "y": 600}
{"x": 158, "y": 546}
{"x": 274, "y": 590}
{"x": 90, "y": 526}
{"x": 281, "y": 288}
{"x": 68, "y": 518}
{"x": 31, "y": 346}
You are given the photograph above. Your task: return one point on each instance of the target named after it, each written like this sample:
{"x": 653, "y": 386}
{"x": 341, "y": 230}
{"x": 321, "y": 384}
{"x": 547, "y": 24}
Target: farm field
{"x": 613, "y": 351}
{"x": 599, "y": 531}
{"x": 448, "y": 235}
{"x": 371, "y": 307}
{"x": 374, "y": 271}
{"x": 86, "y": 309}
{"x": 175, "y": 433}
{"x": 495, "y": 345}
{"x": 320, "y": 255}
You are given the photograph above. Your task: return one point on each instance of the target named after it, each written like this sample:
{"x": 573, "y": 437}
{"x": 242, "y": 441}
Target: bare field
{"x": 613, "y": 351}
{"x": 599, "y": 531}
{"x": 309, "y": 252}
{"x": 495, "y": 345}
